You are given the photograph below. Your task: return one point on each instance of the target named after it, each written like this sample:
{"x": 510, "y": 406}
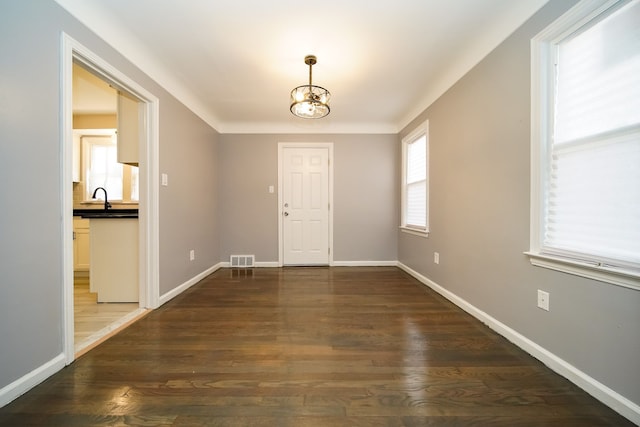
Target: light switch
{"x": 165, "y": 180}
{"x": 271, "y": 189}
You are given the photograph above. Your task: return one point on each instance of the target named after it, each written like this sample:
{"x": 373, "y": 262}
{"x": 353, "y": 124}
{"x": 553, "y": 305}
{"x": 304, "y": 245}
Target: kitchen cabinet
{"x": 81, "y": 244}
{"x": 130, "y": 117}
{"x": 76, "y": 157}
{"x": 114, "y": 259}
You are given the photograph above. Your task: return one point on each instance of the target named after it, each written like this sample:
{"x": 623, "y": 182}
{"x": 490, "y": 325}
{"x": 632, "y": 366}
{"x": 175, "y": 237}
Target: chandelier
{"x": 310, "y": 101}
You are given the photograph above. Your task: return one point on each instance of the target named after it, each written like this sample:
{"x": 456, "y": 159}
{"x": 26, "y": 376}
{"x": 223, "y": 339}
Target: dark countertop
{"x": 110, "y": 213}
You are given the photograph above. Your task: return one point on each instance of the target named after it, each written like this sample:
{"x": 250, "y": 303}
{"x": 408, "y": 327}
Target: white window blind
{"x": 592, "y": 195}
{"x": 416, "y": 184}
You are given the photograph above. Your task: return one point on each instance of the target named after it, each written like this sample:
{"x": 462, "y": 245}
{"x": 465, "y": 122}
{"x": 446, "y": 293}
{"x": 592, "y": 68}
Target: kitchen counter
{"x": 109, "y": 213}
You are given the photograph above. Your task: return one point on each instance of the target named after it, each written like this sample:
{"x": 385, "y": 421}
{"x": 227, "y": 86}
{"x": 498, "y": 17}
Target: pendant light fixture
{"x": 310, "y": 101}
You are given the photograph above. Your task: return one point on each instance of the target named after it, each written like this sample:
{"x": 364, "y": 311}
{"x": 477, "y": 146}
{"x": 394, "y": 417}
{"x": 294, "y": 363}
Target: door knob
{"x": 286, "y": 214}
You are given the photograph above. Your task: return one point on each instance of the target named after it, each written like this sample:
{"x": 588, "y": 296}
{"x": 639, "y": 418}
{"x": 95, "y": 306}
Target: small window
{"x": 586, "y": 143}
{"x": 101, "y": 169}
{"x": 415, "y": 185}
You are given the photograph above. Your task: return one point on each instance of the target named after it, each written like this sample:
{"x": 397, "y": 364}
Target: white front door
{"x": 305, "y": 205}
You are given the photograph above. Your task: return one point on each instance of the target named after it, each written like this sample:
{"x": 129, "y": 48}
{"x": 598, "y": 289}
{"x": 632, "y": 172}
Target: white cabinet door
{"x": 76, "y": 157}
{"x": 130, "y": 114}
{"x": 81, "y": 242}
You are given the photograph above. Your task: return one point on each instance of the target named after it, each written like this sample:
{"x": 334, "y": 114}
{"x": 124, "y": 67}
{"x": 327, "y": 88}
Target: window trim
{"x": 541, "y": 124}
{"x": 596, "y": 271}
{"x": 418, "y": 132}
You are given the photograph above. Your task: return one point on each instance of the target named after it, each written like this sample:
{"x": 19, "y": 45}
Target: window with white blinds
{"x": 587, "y": 169}
{"x": 414, "y": 184}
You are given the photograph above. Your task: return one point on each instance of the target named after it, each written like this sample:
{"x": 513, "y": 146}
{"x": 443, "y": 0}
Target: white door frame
{"x": 281, "y": 147}
{"x": 149, "y": 189}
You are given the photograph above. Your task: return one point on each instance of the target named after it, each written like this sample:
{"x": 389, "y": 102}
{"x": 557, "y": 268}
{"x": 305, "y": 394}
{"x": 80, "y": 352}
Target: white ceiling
{"x": 234, "y": 62}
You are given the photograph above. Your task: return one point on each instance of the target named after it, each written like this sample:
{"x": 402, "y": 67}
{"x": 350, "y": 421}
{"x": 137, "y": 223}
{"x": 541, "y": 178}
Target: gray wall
{"x": 479, "y": 207}
{"x": 188, "y": 205}
{"x": 30, "y": 226}
{"x": 31, "y": 288}
{"x": 365, "y": 195}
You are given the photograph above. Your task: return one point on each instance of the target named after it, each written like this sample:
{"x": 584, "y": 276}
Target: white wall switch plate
{"x": 436, "y": 257}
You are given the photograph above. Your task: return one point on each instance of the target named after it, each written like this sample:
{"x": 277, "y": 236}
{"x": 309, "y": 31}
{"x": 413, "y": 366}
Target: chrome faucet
{"x": 107, "y": 205}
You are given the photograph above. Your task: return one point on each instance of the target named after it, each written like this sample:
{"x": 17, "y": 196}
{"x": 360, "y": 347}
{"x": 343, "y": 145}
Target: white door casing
{"x": 305, "y": 196}
{"x": 71, "y": 51}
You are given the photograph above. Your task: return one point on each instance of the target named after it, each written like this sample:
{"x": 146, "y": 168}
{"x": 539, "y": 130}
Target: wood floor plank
{"x": 366, "y": 346}
{"x": 89, "y": 316}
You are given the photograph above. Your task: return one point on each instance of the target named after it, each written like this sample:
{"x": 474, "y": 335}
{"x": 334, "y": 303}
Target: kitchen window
{"x": 101, "y": 169}
{"x": 585, "y": 195}
{"x": 415, "y": 185}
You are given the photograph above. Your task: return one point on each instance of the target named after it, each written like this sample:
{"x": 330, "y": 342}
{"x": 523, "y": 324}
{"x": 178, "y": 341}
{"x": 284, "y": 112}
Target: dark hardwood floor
{"x": 308, "y": 347}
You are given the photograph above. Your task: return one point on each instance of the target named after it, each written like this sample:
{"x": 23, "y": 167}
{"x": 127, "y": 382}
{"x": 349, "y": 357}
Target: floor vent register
{"x": 242, "y": 261}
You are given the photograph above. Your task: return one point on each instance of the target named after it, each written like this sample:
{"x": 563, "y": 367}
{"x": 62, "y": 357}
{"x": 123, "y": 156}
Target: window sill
{"x": 616, "y": 276}
{"x": 101, "y": 202}
{"x": 420, "y": 233}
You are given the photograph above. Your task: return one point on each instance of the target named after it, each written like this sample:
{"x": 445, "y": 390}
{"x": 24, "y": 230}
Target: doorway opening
{"x": 305, "y": 204}
{"x": 136, "y": 182}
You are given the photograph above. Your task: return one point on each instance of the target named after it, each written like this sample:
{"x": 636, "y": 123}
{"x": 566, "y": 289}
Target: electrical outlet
{"x": 192, "y": 254}
{"x": 543, "y": 300}
{"x": 436, "y": 257}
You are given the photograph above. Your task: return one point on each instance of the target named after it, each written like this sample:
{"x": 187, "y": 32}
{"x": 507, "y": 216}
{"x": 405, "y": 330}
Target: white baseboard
{"x": 189, "y": 283}
{"x": 364, "y": 264}
{"x": 267, "y": 264}
{"x": 604, "y": 394}
{"x": 275, "y": 264}
{"x": 22, "y": 385}
{"x": 264, "y": 264}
